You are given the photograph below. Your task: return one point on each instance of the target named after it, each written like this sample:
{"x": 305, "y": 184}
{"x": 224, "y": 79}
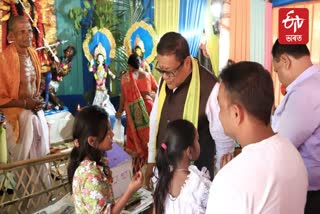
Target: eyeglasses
{"x": 169, "y": 73}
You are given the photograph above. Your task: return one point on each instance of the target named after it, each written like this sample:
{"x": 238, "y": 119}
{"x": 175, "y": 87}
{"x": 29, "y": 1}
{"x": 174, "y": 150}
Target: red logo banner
{"x": 293, "y": 26}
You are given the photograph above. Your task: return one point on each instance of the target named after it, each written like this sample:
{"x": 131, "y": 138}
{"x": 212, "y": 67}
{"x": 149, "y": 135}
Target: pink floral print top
{"x": 92, "y": 188}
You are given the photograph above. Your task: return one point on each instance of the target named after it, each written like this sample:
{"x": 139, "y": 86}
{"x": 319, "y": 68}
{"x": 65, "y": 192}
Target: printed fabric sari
{"x": 137, "y": 122}
{"x": 147, "y": 84}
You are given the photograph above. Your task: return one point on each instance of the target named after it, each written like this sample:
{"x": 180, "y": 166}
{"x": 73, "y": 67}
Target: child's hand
{"x": 136, "y": 182}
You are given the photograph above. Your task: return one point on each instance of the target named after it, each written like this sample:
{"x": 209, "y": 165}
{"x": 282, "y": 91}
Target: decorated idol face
{"x": 69, "y": 53}
{"x": 138, "y": 51}
{"x": 100, "y": 59}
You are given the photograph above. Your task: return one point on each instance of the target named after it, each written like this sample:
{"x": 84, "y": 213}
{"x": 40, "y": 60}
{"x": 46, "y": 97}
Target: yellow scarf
{"x": 191, "y": 106}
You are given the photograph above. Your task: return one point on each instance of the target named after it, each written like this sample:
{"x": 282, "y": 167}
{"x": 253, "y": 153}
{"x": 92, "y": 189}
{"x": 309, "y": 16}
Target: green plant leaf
{"x": 86, "y": 4}
{"x": 71, "y": 15}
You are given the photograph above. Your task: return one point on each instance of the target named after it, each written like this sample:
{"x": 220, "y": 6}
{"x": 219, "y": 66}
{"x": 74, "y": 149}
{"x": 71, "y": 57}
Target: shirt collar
{"x": 304, "y": 75}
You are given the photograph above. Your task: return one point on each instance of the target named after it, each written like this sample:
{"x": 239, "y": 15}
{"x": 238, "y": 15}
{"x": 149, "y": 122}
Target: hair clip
{"x": 164, "y": 146}
{"x": 76, "y": 143}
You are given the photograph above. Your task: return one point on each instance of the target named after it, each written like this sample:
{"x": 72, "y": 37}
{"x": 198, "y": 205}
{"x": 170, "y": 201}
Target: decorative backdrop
{"x": 277, "y": 3}
{"x": 192, "y": 22}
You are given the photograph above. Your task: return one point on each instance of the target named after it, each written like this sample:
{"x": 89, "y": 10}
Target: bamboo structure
{"x": 30, "y": 185}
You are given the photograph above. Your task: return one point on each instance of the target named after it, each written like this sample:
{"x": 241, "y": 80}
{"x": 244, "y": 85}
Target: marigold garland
{"x": 38, "y": 23}
{"x": 14, "y": 10}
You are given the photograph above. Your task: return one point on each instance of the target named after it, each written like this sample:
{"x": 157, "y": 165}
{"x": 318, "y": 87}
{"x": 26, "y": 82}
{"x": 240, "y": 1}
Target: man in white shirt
{"x": 269, "y": 175}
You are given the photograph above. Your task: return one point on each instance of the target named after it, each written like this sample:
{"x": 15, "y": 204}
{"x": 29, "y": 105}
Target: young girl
{"x": 180, "y": 187}
{"x": 88, "y": 170}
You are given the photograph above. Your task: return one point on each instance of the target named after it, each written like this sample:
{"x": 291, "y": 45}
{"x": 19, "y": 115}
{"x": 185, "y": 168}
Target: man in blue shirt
{"x": 298, "y": 115}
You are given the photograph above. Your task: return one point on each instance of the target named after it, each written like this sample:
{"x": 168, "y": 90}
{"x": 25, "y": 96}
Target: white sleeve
{"x": 153, "y": 129}
{"x": 224, "y": 144}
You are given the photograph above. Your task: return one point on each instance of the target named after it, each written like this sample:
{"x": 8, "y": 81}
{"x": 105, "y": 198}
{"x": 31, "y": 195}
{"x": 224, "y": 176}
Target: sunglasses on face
{"x": 169, "y": 73}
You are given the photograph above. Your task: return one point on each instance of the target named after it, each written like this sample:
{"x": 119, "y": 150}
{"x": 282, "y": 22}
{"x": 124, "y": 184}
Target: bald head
{"x": 12, "y": 23}
{"x": 20, "y": 33}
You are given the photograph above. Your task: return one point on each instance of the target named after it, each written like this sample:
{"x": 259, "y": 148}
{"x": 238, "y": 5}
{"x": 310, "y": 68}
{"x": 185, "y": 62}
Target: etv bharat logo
{"x": 293, "y": 26}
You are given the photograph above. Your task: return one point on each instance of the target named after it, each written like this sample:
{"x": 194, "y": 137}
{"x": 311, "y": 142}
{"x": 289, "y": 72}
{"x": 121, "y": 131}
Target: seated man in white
{"x": 269, "y": 176}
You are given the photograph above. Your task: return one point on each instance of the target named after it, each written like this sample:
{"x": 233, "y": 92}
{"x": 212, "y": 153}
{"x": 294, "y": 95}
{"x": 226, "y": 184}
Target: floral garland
{"x": 100, "y": 82}
{"x": 38, "y": 23}
{"x": 65, "y": 65}
{"x": 13, "y": 8}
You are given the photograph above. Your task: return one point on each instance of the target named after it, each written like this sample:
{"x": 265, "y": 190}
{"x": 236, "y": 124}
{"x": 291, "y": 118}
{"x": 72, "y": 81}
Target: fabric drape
{"x": 137, "y": 121}
{"x": 149, "y": 15}
{"x": 224, "y": 40}
{"x": 166, "y": 16}
{"x": 277, "y": 3}
{"x": 212, "y": 45}
{"x": 192, "y": 22}
{"x": 268, "y": 37}
{"x": 239, "y": 30}
{"x": 257, "y": 31}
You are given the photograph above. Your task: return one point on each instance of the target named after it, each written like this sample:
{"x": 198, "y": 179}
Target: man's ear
{"x": 10, "y": 37}
{"x": 285, "y": 58}
{"x": 237, "y": 114}
{"x": 92, "y": 141}
{"x": 290, "y": 61}
{"x": 187, "y": 62}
